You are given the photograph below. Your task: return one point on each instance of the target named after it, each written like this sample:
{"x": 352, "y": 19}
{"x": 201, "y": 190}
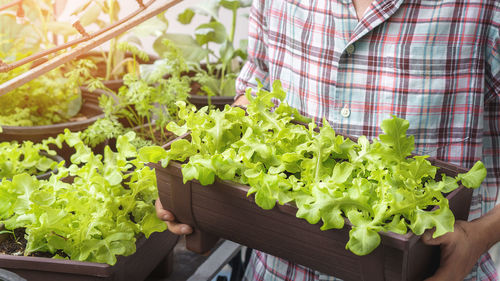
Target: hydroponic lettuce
{"x": 377, "y": 185}
{"x": 97, "y": 216}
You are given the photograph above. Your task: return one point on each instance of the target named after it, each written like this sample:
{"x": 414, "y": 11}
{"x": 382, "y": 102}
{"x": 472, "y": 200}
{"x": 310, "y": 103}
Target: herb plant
{"x": 146, "y": 102}
{"x": 377, "y": 186}
{"x": 92, "y": 210}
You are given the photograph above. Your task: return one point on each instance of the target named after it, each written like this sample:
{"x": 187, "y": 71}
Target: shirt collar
{"x": 378, "y": 12}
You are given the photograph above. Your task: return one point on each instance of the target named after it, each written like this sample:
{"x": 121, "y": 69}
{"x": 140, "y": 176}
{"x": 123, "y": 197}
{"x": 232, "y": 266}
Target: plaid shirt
{"x": 435, "y": 63}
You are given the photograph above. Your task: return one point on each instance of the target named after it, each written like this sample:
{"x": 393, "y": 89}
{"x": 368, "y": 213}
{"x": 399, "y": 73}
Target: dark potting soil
{"x": 15, "y": 244}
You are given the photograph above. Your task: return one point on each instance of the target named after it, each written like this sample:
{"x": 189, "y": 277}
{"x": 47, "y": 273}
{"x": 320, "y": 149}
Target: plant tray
{"x": 157, "y": 251}
{"x": 223, "y": 210}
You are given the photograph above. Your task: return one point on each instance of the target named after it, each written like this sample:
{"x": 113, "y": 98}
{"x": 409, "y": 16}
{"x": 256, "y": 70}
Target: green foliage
{"x": 33, "y": 27}
{"x": 376, "y": 185}
{"x": 98, "y": 14}
{"x": 49, "y": 99}
{"x": 96, "y": 217}
{"x": 101, "y": 130}
{"x": 146, "y": 103}
{"x": 216, "y": 72}
{"x": 26, "y": 157}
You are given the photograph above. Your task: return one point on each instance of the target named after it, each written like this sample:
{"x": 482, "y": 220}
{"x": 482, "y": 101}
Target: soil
{"x": 10, "y": 246}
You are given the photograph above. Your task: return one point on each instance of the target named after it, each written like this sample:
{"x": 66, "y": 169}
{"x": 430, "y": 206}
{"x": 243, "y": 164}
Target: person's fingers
{"x": 241, "y": 101}
{"x": 454, "y": 263}
{"x": 443, "y": 239}
{"x": 162, "y": 213}
{"x": 448, "y": 267}
{"x": 169, "y": 218}
{"x": 179, "y": 228}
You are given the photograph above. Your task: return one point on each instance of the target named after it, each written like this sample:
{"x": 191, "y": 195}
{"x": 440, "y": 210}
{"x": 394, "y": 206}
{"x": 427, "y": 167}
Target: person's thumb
{"x": 429, "y": 240}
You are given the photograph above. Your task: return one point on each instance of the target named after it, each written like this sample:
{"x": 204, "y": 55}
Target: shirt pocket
{"x": 434, "y": 87}
{"x": 442, "y": 62}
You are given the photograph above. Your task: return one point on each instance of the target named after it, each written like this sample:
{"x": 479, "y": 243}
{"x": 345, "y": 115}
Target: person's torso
{"x": 421, "y": 60}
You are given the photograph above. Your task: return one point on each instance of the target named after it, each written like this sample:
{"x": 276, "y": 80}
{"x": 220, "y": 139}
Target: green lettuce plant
{"x": 54, "y": 97}
{"x": 378, "y": 185}
{"x": 93, "y": 210}
{"x": 25, "y": 157}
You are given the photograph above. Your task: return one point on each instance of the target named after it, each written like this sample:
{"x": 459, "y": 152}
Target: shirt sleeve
{"x": 256, "y": 66}
{"x": 493, "y": 54}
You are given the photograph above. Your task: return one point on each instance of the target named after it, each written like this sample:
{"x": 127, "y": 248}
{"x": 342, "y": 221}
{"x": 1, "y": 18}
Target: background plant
{"x": 34, "y": 26}
{"x": 49, "y": 99}
{"x": 103, "y": 13}
{"x": 211, "y": 52}
{"x": 54, "y": 97}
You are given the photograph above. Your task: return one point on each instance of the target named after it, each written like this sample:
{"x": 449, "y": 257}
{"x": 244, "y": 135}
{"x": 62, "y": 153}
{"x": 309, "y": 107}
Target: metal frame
{"x": 216, "y": 261}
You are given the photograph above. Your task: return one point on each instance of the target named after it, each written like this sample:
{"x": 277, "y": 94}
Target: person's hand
{"x": 241, "y": 101}
{"x": 169, "y": 218}
{"x": 460, "y": 250}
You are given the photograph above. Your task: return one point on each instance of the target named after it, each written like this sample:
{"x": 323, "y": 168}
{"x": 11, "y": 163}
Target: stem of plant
{"x": 109, "y": 61}
{"x": 209, "y": 67}
{"x": 233, "y": 26}
{"x": 112, "y": 44}
{"x": 151, "y": 131}
{"x": 222, "y": 77}
{"x": 138, "y": 120}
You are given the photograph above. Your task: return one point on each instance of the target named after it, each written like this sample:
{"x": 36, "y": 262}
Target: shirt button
{"x": 345, "y": 111}
{"x": 350, "y": 49}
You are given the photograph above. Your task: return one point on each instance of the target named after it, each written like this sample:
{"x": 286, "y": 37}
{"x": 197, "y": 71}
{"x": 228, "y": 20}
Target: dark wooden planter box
{"x": 223, "y": 210}
{"x": 155, "y": 252}
{"x": 218, "y": 102}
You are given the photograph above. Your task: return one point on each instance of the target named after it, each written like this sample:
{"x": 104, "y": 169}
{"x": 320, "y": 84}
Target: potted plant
{"x": 213, "y": 59}
{"x": 86, "y": 221}
{"x": 46, "y": 105}
{"x": 145, "y": 104}
{"x": 374, "y": 199}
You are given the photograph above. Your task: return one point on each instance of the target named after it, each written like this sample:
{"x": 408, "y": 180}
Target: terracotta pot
{"x": 223, "y": 210}
{"x": 153, "y": 254}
